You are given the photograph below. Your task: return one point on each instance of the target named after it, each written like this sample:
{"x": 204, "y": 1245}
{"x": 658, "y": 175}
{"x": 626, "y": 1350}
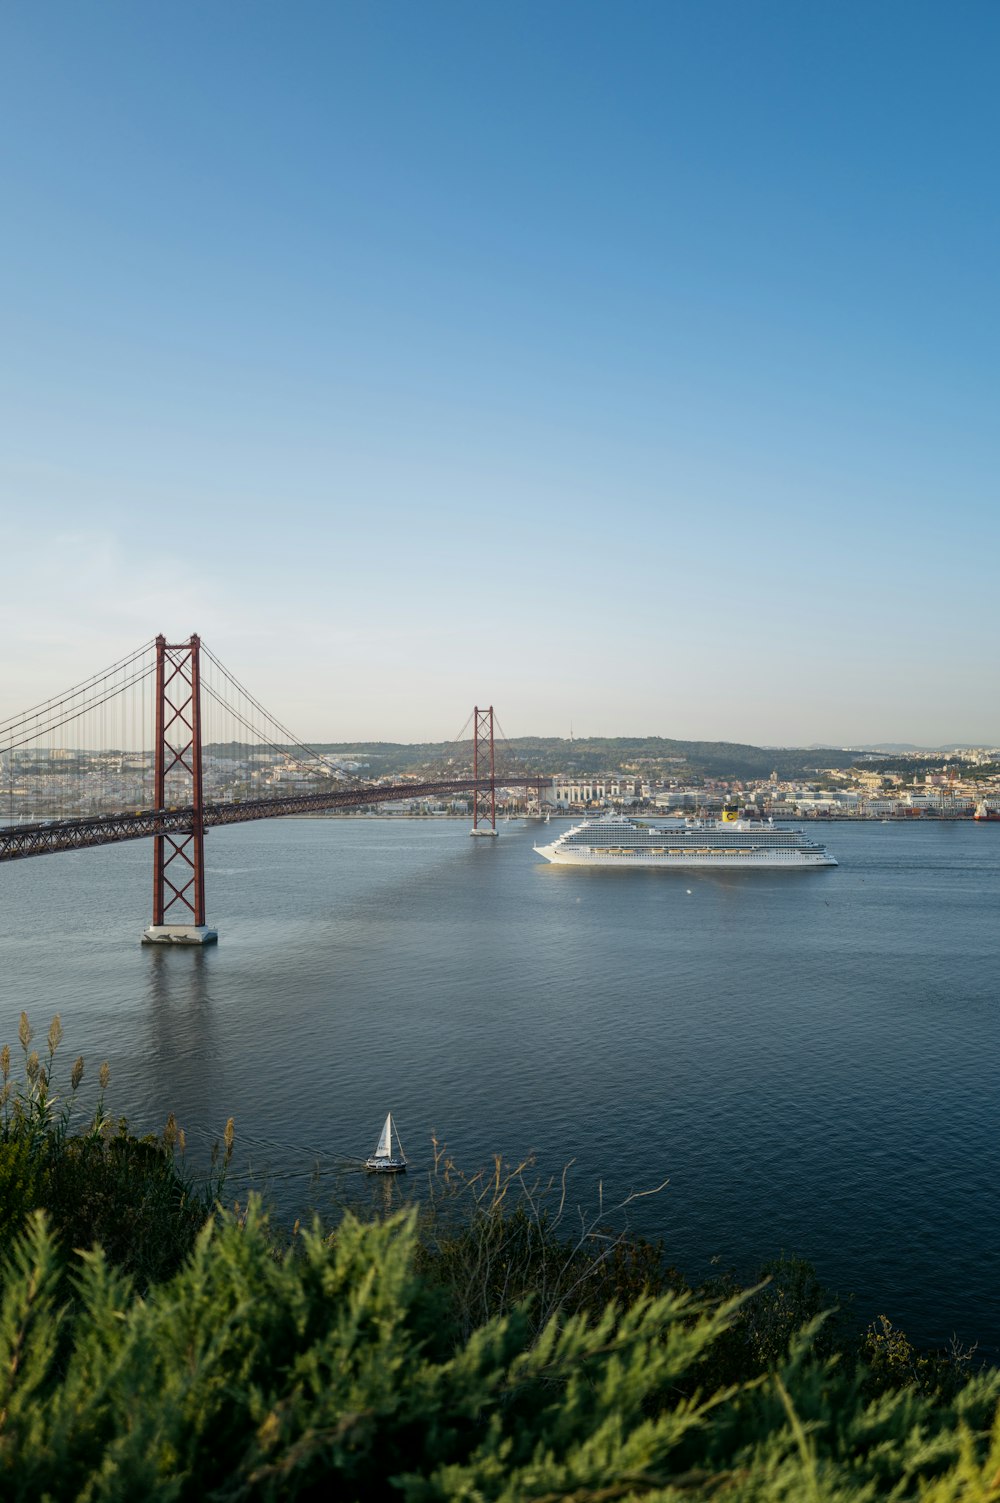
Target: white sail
{"x": 388, "y": 1156}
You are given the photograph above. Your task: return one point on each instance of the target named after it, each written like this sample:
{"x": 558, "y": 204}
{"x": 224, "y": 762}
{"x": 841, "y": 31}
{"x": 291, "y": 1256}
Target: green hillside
{"x": 641, "y": 755}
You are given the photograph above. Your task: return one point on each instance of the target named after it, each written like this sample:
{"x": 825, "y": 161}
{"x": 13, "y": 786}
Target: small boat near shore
{"x": 388, "y": 1157}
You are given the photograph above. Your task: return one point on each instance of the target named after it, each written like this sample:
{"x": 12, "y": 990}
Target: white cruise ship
{"x": 738, "y": 844}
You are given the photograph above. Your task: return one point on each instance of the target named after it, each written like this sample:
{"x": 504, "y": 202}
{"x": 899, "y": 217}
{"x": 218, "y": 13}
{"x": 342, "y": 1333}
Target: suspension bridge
{"x": 166, "y": 744}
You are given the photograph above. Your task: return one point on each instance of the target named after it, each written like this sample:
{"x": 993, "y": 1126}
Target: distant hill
{"x": 664, "y": 756}
{"x": 900, "y": 748}
{"x": 641, "y": 755}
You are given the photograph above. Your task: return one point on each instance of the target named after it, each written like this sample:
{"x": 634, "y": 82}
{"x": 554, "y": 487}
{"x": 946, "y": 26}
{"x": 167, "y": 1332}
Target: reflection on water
{"x": 809, "y": 1057}
{"x": 182, "y": 1032}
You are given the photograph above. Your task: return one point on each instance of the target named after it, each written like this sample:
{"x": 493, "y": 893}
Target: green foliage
{"x": 128, "y": 1195}
{"x": 22, "y": 1185}
{"x": 786, "y": 1296}
{"x": 100, "y": 1184}
{"x": 504, "y": 1239}
{"x": 325, "y": 1373}
{"x": 488, "y": 1347}
{"x": 893, "y": 1362}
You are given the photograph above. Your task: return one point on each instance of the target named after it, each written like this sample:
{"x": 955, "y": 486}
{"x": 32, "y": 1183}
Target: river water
{"x": 810, "y": 1058}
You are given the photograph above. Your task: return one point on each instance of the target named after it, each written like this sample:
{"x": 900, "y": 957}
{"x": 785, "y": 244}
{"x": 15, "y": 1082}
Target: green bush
{"x": 486, "y": 1347}
{"x": 22, "y": 1185}
{"x": 99, "y": 1185}
{"x": 325, "y": 1374}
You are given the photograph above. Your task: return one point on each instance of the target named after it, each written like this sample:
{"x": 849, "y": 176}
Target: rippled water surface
{"x": 810, "y": 1057}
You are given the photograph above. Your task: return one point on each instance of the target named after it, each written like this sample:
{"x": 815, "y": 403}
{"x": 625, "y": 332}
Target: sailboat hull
{"x": 385, "y": 1166}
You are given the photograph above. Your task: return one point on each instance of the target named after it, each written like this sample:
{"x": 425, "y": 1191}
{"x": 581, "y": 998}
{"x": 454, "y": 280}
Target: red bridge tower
{"x": 484, "y": 795}
{"x": 179, "y": 858}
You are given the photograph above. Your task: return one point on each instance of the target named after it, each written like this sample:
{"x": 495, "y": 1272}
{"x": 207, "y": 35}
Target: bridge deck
{"x": 42, "y": 839}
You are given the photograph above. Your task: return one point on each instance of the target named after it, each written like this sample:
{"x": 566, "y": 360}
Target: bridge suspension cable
{"x": 54, "y": 714}
{"x": 167, "y": 743}
{"x": 68, "y": 694}
{"x": 294, "y": 744}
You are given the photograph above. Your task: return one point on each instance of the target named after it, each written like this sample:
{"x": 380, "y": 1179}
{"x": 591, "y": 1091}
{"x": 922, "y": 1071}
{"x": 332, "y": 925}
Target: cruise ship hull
{"x": 684, "y": 861}
{"x": 685, "y": 845}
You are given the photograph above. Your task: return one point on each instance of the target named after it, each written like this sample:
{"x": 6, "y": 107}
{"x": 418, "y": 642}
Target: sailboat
{"x": 388, "y": 1157}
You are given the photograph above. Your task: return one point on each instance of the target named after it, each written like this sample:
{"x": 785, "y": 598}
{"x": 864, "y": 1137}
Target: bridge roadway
{"x": 43, "y": 839}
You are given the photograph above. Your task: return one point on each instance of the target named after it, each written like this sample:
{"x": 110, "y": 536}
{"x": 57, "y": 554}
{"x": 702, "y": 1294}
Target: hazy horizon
{"x": 614, "y": 367}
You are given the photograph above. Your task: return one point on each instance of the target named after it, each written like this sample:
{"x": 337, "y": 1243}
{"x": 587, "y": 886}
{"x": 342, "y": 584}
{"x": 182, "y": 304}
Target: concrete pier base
{"x": 179, "y": 934}
{"x": 485, "y": 831}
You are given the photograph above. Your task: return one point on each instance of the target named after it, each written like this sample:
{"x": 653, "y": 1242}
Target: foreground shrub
{"x": 489, "y": 1347}
{"x": 504, "y": 1238}
{"x": 98, "y": 1183}
{"x": 324, "y": 1373}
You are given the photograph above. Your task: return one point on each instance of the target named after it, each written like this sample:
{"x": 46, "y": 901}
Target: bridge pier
{"x": 179, "y": 934}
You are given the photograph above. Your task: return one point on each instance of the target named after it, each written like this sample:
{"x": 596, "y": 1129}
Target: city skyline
{"x": 635, "y": 373}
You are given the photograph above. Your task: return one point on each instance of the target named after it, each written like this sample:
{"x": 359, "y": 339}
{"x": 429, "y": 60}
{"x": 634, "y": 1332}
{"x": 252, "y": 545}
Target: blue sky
{"x": 628, "y": 366}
